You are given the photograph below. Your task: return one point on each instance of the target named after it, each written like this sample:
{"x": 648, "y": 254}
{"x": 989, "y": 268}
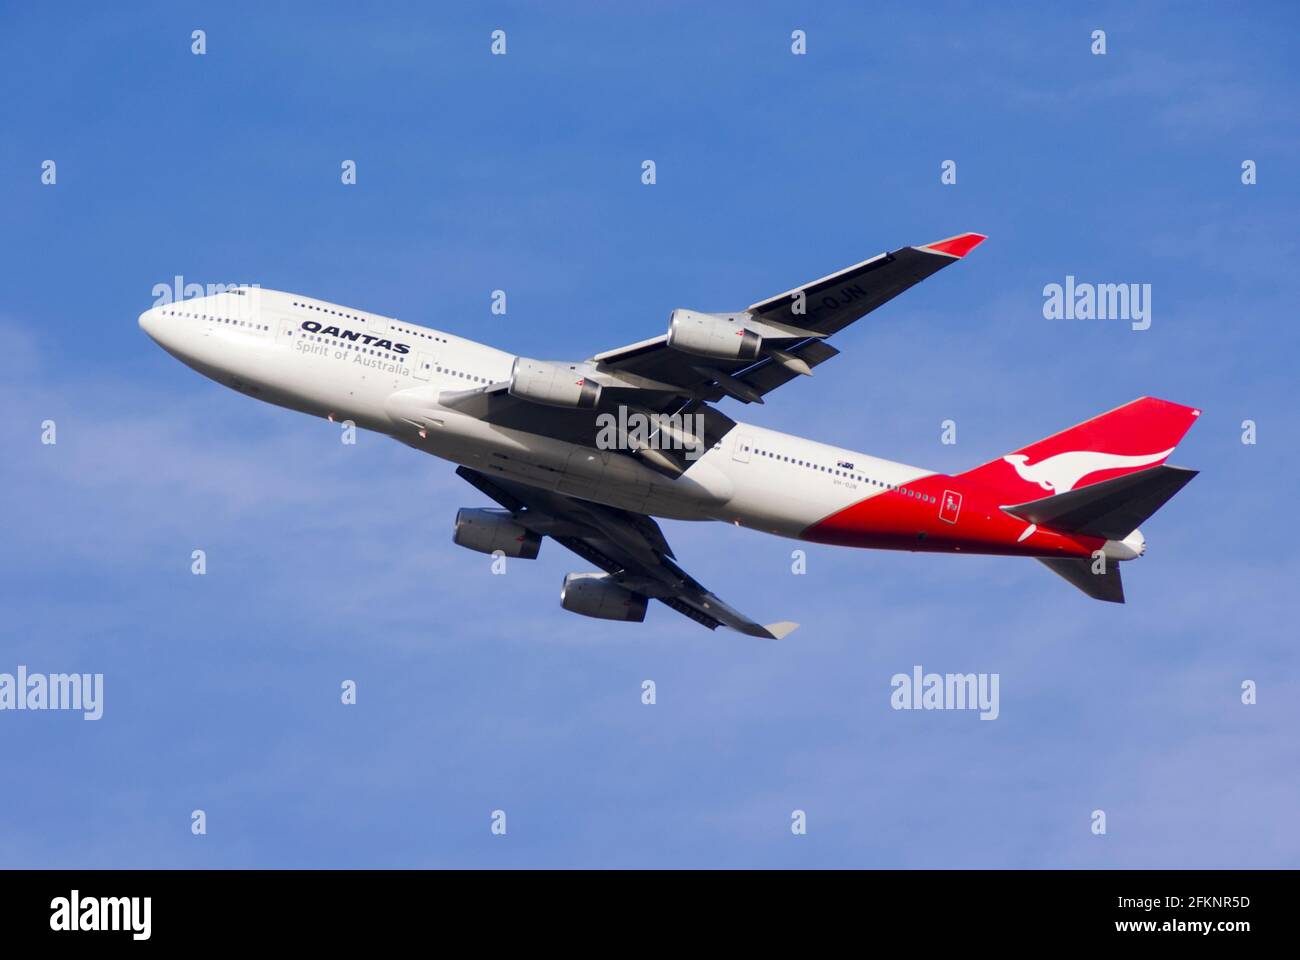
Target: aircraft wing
{"x": 628, "y": 546}
{"x": 658, "y": 377}
{"x": 794, "y": 323}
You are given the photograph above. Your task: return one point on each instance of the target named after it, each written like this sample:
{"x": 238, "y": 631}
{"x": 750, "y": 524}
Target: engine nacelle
{"x": 488, "y": 530}
{"x": 596, "y": 595}
{"x": 711, "y": 335}
{"x": 554, "y": 384}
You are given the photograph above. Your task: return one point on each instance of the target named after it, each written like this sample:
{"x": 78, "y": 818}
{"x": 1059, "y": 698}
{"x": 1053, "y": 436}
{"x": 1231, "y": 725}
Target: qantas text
{"x": 311, "y": 326}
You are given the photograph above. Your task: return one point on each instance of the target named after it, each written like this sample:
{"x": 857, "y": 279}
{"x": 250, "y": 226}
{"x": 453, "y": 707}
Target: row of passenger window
{"x": 463, "y": 375}
{"x": 334, "y": 313}
{"x": 228, "y": 320}
{"x": 847, "y": 474}
{"x": 418, "y": 333}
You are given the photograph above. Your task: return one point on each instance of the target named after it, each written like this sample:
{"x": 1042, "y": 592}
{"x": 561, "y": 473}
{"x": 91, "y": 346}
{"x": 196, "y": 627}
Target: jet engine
{"x": 488, "y": 530}
{"x": 712, "y": 335}
{"x": 596, "y": 595}
{"x": 553, "y": 384}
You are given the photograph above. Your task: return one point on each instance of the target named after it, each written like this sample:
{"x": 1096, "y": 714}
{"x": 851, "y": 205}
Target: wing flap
{"x": 768, "y": 374}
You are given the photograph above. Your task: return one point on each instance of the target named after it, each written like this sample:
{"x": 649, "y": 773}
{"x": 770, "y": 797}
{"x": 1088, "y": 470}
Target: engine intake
{"x": 596, "y": 595}
{"x": 487, "y": 530}
{"x": 712, "y": 335}
{"x": 553, "y": 384}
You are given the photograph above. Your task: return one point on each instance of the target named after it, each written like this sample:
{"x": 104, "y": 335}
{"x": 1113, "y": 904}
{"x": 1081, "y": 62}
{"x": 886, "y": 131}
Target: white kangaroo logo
{"x": 1061, "y": 472}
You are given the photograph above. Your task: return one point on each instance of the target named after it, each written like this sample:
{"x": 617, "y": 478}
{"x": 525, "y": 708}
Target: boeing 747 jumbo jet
{"x": 587, "y": 452}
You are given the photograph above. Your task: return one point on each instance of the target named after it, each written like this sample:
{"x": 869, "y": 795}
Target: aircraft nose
{"x": 149, "y": 322}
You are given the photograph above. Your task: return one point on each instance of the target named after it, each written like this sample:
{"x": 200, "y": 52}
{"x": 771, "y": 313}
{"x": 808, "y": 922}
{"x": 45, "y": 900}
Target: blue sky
{"x": 522, "y": 172}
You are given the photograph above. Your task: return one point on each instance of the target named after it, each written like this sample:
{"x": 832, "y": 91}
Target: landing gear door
{"x": 950, "y": 506}
{"x": 743, "y": 448}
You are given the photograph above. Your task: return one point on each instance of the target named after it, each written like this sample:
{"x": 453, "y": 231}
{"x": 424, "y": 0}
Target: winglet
{"x": 780, "y": 631}
{"x": 957, "y": 246}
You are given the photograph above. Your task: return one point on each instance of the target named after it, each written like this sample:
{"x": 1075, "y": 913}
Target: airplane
{"x": 589, "y": 452}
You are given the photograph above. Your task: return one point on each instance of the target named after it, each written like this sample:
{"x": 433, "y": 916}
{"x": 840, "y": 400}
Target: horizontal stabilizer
{"x": 1101, "y": 586}
{"x": 1110, "y": 509}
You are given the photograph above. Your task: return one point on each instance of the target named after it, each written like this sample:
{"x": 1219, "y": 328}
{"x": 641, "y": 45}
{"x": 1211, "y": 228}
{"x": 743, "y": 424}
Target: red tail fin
{"x": 1133, "y": 437}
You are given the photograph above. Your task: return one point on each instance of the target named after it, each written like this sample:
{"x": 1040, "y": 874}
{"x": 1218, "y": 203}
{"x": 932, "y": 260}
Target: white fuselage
{"x": 254, "y": 341}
